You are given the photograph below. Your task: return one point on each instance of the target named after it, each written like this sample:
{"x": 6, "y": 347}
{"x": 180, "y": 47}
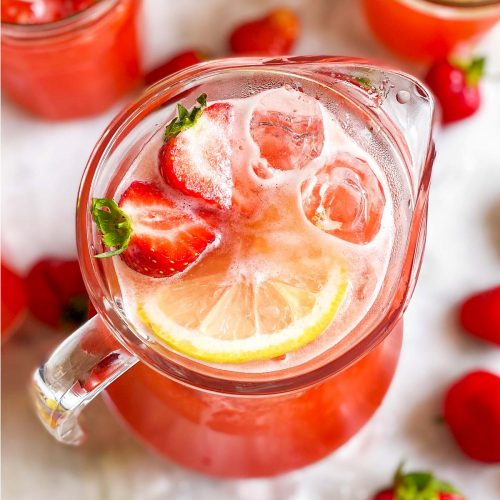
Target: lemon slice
{"x": 215, "y": 314}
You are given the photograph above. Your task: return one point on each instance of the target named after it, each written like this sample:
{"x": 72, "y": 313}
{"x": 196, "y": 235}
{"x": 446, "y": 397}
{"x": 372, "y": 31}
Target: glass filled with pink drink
{"x": 67, "y": 59}
{"x": 426, "y": 30}
{"x": 250, "y": 232}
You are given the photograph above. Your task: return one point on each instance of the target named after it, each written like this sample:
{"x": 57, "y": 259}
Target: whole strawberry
{"x": 176, "y": 63}
{"x": 56, "y": 293}
{"x": 418, "y": 486}
{"x": 472, "y": 413}
{"x": 272, "y": 35}
{"x": 480, "y": 315}
{"x": 13, "y": 300}
{"x": 456, "y": 87}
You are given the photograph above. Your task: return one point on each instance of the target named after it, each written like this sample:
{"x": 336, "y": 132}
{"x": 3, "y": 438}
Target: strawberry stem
{"x": 419, "y": 485}
{"x": 475, "y": 71}
{"x": 472, "y": 68}
{"x": 185, "y": 119}
{"x": 364, "y": 81}
{"x": 113, "y": 224}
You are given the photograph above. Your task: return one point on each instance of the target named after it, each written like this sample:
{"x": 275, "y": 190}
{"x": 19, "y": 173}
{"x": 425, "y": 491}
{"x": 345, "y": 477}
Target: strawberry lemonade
{"x": 253, "y": 232}
{"x": 250, "y": 231}
{"x": 251, "y": 236}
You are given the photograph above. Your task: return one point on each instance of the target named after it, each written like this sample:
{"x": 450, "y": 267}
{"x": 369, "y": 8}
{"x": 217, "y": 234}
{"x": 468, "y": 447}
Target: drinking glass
{"x": 77, "y": 66}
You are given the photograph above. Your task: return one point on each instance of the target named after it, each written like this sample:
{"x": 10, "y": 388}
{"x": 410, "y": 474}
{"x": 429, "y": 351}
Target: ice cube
{"x": 345, "y": 198}
{"x": 287, "y": 125}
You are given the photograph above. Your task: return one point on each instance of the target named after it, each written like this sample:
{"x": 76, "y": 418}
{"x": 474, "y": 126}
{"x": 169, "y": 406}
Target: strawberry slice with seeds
{"x": 196, "y": 156}
{"x": 152, "y": 235}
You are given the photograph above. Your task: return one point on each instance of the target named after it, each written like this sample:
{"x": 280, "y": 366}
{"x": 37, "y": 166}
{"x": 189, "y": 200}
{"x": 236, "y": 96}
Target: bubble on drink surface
{"x": 345, "y": 198}
{"x": 287, "y": 126}
{"x": 403, "y": 97}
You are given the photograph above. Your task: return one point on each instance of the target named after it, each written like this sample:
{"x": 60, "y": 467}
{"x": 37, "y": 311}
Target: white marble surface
{"x": 42, "y": 164}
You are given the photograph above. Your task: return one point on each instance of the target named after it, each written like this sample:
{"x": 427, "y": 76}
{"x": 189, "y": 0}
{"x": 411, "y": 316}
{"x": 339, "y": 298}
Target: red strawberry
{"x": 416, "y": 486}
{"x": 480, "y": 315}
{"x": 176, "y": 63}
{"x": 472, "y": 412}
{"x": 56, "y": 293}
{"x": 196, "y": 157}
{"x": 13, "y": 300}
{"x": 455, "y": 86}
{"x": 385, "y": 495}
{"x": 272, "y": 35}
{"x": 152, "y": 235}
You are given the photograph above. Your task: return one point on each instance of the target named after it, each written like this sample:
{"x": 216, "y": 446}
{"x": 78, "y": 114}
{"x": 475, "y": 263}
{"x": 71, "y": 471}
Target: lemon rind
{"x": 212, "y": 350}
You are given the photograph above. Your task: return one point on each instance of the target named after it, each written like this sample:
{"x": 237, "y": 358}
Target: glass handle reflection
{"x": 76, "y": 372}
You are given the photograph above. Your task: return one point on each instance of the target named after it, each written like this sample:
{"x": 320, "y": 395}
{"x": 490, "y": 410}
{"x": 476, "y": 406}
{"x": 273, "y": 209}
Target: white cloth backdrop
{"x": 42, "y": 165}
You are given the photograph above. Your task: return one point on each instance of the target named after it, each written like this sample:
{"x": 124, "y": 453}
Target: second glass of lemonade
{"x": 426, "y": 30}
{"x": 73, "y": 67}
{"x": 250, "y": 232}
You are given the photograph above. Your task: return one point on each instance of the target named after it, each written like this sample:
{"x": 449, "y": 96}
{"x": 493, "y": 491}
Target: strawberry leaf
{"x": 185, "y": 119}
{"x": 113, "y": 224}
{"x": 419, "y": 486}
{"x": 472, "y": 68}
{"x": 444, "y": 487}
{"x": 364, "y": 82}
{"x": 475, "y": 71}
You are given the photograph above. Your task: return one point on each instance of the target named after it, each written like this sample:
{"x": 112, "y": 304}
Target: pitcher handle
{"x": 76, "y": 372}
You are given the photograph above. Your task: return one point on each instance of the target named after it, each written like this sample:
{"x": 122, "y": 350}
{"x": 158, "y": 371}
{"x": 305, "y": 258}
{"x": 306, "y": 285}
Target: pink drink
{"x": 305, "y": 197}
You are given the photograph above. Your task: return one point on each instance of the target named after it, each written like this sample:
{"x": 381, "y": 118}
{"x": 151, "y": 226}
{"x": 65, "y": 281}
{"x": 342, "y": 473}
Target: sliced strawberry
{"x": 151, "y": 233}
{"x": 196, "y": 157}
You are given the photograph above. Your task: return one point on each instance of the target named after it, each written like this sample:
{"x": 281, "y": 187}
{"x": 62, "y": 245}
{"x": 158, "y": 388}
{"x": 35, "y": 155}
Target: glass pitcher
{"x": 215, "y": 419}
